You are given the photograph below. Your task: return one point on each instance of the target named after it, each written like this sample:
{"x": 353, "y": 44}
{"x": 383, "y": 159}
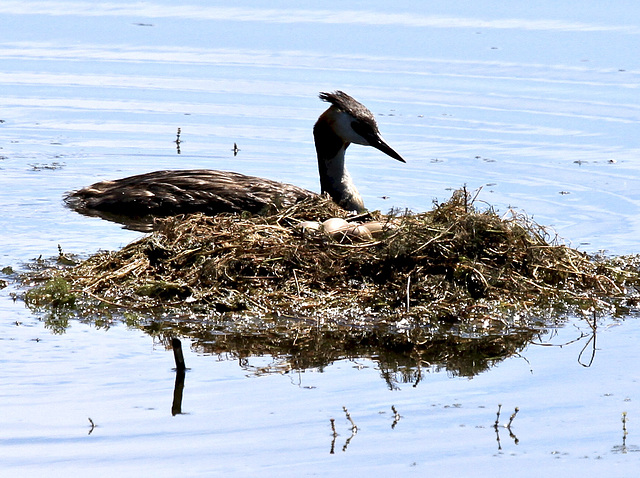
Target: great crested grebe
{"x": 167, "y": 193}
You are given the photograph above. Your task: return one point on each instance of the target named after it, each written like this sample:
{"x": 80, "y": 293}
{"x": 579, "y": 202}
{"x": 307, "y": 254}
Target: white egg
{"x": 361, "y": 232}
{"x": 335, "y": 225}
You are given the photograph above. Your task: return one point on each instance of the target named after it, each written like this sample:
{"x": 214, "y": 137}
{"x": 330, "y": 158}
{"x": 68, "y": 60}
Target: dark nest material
{"x": 452, "y": 265}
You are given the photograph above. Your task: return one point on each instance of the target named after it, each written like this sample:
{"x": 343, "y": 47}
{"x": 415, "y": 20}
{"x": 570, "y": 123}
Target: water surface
{"x": 538, "y": 105}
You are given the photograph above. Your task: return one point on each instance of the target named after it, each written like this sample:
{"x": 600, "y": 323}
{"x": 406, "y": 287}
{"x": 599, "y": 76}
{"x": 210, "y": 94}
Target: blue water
{"x": 536, "y": 104}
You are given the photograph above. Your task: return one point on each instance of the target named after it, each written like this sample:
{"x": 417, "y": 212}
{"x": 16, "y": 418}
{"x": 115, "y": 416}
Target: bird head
{"x": 352, "y": 122}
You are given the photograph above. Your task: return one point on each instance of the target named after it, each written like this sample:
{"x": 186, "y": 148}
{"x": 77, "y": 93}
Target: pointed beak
{"x": 380, "y": 144}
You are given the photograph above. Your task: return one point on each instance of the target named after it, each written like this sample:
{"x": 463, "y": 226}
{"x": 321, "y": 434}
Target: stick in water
{"x": 177, "y": 354}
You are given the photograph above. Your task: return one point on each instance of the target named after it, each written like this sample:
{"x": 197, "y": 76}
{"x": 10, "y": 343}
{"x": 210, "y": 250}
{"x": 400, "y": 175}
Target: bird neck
{"x": 334, "y": 177}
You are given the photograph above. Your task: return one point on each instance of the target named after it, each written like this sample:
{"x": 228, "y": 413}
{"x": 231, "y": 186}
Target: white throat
{"x": 336, "y": 181}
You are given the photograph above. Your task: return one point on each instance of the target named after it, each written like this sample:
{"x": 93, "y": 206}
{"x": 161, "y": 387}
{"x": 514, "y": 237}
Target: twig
{"x": 354, "y": 428}
{"x": 513, "y": 415}
{"x": 178, "y": 141}
{"x": 476, "y": 196}
{"x": 334, "y": 436}
{"x": 496, "y": 426}
{"x": 295, "y": 277}
{"x": 497, "y": 422}
{"x": 592, "y": 340}
{"x": 396, "y": 417}
{"x": 408, "y": 289}
{"x": 93, "y": 426}
{"x": 178, "y": 356}
{"x": 333, "y": 427}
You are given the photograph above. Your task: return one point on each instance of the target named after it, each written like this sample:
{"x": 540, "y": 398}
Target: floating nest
{"x": 453, "y": 265}
{"x": 454, "y": 287}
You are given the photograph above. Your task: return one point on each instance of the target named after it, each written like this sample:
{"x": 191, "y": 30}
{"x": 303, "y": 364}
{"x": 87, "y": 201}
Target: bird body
{"x": 171, "y": 192}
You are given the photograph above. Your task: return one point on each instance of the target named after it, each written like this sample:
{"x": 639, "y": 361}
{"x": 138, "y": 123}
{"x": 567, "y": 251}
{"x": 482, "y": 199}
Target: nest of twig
{"x": 453, "y": 264}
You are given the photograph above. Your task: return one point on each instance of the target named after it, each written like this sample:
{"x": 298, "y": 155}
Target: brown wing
{"x": 167, "y": 193}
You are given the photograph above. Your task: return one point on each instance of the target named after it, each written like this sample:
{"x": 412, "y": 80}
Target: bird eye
{"x": 363, "y": 129}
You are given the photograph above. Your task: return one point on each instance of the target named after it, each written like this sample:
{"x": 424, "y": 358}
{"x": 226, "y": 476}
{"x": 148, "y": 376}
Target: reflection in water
{"x": 624, "y": 448}
{"x": 354, "y": 429}
{"x": 497, "y": 426}
{"x": 176, "y": 407}
{"x": 403, "y": 356}
{"x": 178, "y": 141}
{"x": 93, "y": 426}
{"x": 592, "y": 340}
{"x": 335, "y": 434}
{"x": 590, "y": 344}
{"x": 396, "y": 417}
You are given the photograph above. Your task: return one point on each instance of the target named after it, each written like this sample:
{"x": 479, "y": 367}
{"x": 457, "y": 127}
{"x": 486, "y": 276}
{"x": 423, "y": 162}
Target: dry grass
{"x": 451, "y": 265}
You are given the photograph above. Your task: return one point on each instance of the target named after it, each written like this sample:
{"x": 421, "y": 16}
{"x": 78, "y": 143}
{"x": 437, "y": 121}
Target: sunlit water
{"x": 539, "y": 106}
